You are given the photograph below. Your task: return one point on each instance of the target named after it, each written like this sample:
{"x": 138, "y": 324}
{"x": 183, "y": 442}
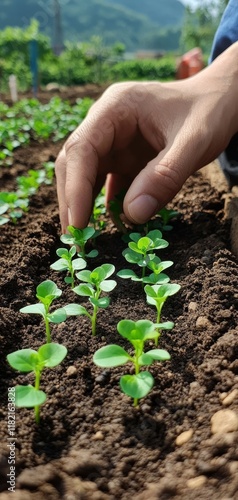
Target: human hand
{"x": 147, "y": 138}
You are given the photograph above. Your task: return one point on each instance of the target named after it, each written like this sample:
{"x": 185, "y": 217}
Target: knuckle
{"x": 169, "y": 175}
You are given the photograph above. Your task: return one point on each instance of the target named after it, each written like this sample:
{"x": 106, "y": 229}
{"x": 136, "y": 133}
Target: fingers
{"x": 157, "y": 184}
{"x": 77, "y": 167}
{"x": 60, "y": 172}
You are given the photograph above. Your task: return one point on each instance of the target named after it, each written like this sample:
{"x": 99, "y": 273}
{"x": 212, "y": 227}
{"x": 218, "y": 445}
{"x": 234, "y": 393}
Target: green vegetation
{"x": 29, "y": 119}
{"x": 137, "y": 333}
{"x": 157, "y": 295}
{"x": 28, "y": 360}
{"x": 141, "y": 251}
{"x": 95, "y": 282}
{"x": 68, "y": 263}
{"x": 79, "y": 238}
{"x": 46, "y": 293}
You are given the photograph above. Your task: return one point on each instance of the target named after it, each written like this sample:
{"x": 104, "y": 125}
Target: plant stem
{"x": 94, "y": 319}
{"x": 37, "y": 386}
{"x": 137, "y": 370}
{"x": 47, "y": 330}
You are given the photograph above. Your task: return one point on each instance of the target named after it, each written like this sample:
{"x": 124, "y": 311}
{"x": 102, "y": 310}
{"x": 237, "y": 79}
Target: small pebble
{"x": 224, "y": 421}
{"x": 196, "y": 482}
{"x": 98, "y": 436}
{"x": 230, "y": 398}
{"x": 184, "y": 437}
{"x": 71, "y": 371}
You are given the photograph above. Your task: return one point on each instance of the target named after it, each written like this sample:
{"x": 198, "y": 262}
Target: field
{"x": 91, "y": 443}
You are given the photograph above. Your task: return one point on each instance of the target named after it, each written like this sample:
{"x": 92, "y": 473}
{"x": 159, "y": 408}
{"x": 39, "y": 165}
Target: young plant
{"x": 167, "y": 215}
{"x": 46, "y": 293}
{"x": 116, "y": 210}
{"x": 16, "y": 205}
{"x": 28, "y": 360}
{"x": 157, "y": 295}
{"x": 95, "y": 282}
{"x": 98, "y": 212}
{"x": 79, "y": 238}
{"x": 141, "y": 251}
{"x": 3, "y": 210}
{"x": 67, "y": 263}
{"x": 137, "y": 333}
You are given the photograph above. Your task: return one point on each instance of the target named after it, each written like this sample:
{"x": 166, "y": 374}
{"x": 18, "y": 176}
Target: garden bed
{"x": 92, "y": 444}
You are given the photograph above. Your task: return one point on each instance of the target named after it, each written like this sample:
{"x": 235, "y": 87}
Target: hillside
{"x": 134, "y": 22}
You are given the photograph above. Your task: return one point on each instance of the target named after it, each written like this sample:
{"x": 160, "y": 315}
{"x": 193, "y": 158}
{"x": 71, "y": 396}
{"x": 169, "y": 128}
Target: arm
{"x": 148, "y": 138}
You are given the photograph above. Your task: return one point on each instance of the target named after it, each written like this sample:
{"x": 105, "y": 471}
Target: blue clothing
{"x": 227, "y": 33}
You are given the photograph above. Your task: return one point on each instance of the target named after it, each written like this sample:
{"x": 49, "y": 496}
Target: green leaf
{"x": 58, "y": 316}
{"x": 137, "y": 330}
{"x": 63, "y": 252}
{"x": 79, "y": 263}
{"x": 135, "y": 237}
{"x": 156, "y": 279}
{"x": 23, "y": 360}
{"x": 159, "y": 354}
{"x": 102, "y": 303}
{"x": 108, "y": 285}
{"x": 154, "y": 235}
{"x": 84, "y": 290}
{"x": 47, "y": 290}
{"x": 72, "y": 252}
{"x": 75, "y": 310}
{"x": 127, "y": 274}
{"x": 28, "y": 397}
{"x": 150, "y": 291}
{"x": 111, "y": 356}
{"x": 92, "y": 254}
{"x": 108, "y": 269}
{"x": 145, "y": 360}
{"x": 137, "y": 386}
{"x": 84, "y": 276}
{"x": 131, "y": 256}
{"x": 60, "y": 265}
{"x": 52, "y": 354}
{"x": 34, "y": 309}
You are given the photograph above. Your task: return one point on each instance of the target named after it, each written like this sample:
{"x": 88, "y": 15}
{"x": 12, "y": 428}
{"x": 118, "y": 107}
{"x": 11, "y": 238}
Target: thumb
{"x": 156, "y": 185}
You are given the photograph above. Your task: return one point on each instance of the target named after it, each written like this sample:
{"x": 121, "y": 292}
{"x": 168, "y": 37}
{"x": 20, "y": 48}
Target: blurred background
{"x": 77, "y": 42}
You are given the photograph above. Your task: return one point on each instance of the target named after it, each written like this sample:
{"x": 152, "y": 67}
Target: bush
{"x": 144, "y": 69}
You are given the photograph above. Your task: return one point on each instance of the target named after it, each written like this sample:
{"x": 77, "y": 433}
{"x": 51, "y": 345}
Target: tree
{"x": 201, "y": 24}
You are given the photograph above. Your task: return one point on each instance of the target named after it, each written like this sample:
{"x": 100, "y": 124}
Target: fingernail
{"x": 142, "y": 208}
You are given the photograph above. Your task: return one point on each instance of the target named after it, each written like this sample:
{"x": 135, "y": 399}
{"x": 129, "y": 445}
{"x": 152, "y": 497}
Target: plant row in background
{"x": 95, "y": 285}
{"x": 29, "y": 119}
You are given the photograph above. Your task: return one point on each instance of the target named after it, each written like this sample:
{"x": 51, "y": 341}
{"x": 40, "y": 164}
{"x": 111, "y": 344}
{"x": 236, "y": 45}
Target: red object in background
{"x": 190, "y": 64}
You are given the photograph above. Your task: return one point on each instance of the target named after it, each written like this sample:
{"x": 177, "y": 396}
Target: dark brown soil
{"x": 92, "y": 444}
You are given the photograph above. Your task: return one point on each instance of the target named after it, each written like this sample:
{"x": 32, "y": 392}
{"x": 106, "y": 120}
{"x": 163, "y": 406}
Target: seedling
{"x": 28, "y": 360}
{"x": 98, "y": 212}
{"x": 79, "y": 238}
{"x": 95, "y": 283}
{"x": 16, "y": 205}
{"x": 157, "y": 296}
{"x": 140, "y": 251}
{"x": 67, "y": 263}
{"x": 138, "y": 385}
{"x": 47, "y": 292}
{"x": 166, "y": 215}
{"x": 116, "y": 210}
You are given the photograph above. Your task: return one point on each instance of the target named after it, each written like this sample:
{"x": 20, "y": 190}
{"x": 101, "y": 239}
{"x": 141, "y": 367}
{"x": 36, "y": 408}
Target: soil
{"x": 92, "y": 444}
